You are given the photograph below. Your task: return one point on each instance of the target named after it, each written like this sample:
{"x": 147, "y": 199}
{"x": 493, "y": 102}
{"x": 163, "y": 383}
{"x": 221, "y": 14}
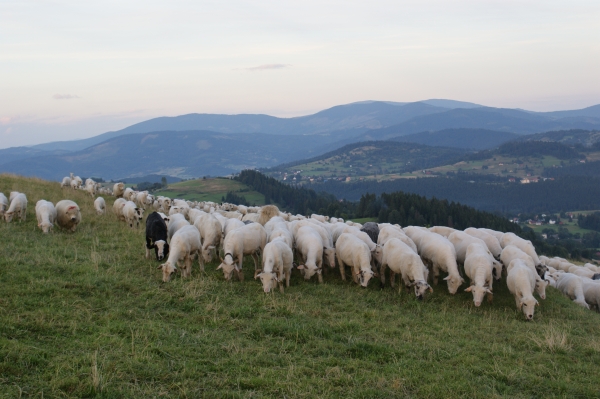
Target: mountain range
{"x": 209, "y": 144}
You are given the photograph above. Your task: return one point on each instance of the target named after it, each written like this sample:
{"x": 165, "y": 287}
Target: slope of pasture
{"x": 85, "y": 315}
{"x": 211, "y": 190}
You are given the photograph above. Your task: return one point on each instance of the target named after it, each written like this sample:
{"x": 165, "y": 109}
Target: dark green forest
{"x": 405, "y": 209}
{"x": 562, "y": 194}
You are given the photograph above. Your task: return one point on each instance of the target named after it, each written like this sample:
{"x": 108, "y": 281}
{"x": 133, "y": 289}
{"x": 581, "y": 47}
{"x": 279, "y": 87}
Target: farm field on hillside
{"x": 211, "y": 190}
{"x": 84, "y": 314}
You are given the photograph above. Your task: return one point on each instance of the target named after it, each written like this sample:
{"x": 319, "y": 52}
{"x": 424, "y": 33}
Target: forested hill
{"x": 563, "y": 193}
{"x": 395, "y": 207}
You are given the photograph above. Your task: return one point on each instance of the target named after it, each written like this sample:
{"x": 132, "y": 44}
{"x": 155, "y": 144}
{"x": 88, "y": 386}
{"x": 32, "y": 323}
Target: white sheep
{"x": 388, "y": 232}
{"x": 100, "y": 206}
{"x": 3, "y": 204}
{"x": 571, "y": 285}
{"x": 66, "y": 182}
{"x": 478, "y": 267}
{"x": 132, "y": 214}
{"x": 521, "y": 283}
{"x": 118, "y": 190}
{"x": 309, "y": 246}
{"x": 277, "y": 265}
{"x": 492, "y": 242}
{"x": 401, "y": 259}
{"x": 68, "y": 215}
{"x": 352, "y": 251}
{"x": 525, "y": 246}
{"x": 118, "y": 208}
{"x": 591, "y": 292}
{"x": 328, "y": 247}
{"x": 248, "y": 240}
{"x": 18, "y": 207}
{"x": 210, "y": 235}
{"x": 441, "y": 255}
{"x": 185, "y": 244}
{"x": 175, "y": 223}
{"x": 442, "y": 230}
{"x": 45, "y": 213}
{"x": 510, "y": 253}
{"x": 462, "y": 240}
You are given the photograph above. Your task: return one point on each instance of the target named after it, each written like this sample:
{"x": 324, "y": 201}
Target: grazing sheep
{"x": 591, "y": 292}
{"x": 68, "y": 215}
{"x": 328, "y": 247}
{"x": 441, "y": 255}
{"x": 176, "y": 222}
{"x": 388, "y": 232}
{"x": 521, "y": 283}
{"x": 3, "y": 204}
{"x": 132, "y": 214}
{"x": 442, "y": 230}
{"x": 309, "y": 246}
{"x": 462, "y": 240}
{"x": 497, "y": 234}
{"x": 18, "y": 207}
{"x": 66, "y": 182}
{"x": 492, "y": 242}
{"x": 100, "y": 206}
{"x": 478, "y": 267}
{"x": 401, "y": 259}
{"x": 266, "y": 213}
{"x": 372, "y": 230}
{"x": 510, "y": 253}
{"x": 352, "y": 251}
{"x": 210, "y": 235}
{"x": 118, "y": 208}
{"x": 156, "y": 236}
{"x": 277, "y": 262}
{"x": 571, "y": 285}
{"x": 525, "y": 246}
{"x": 184, "y": 246}
{"x": 46, "y": 215}
{"x": 248, "y": 240}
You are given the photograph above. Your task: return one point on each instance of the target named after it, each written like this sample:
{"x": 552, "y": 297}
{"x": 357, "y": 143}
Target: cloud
{"x": 264, "y": 67}
{"x": 64, "y": 96}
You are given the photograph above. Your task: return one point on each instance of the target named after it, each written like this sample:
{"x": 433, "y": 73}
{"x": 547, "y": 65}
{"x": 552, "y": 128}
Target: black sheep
{"x": 156, "y": 236}
{"x": 372, "y": 230}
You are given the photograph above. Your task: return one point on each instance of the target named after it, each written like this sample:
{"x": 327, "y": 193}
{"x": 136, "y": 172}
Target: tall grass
{"x": 84, "y": 314}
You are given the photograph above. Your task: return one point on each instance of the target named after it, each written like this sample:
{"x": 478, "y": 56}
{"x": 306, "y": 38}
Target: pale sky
{"x": 75, "y": 69}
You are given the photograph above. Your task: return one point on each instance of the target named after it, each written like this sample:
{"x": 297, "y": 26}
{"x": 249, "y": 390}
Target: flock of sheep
{"x": 179, "y": 230}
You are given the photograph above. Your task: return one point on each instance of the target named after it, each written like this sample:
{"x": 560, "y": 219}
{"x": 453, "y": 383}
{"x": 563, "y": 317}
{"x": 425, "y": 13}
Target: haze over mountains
{"x": 208, "y": 144}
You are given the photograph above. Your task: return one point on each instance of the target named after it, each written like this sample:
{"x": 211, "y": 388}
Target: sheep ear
{"x": 447, "y": 278}
{"x": 430, "y": 289}
{"x": 537, "y": 303}
{"x": 469, "y": 289}
{"x": 159, "y": 266}
{"x": 257, "y": 275}
{"x": 300, "y": 267}
{"x": 489, "y": 291}
{"x": 257, "y": 272}
{"x": 220, "y": 266}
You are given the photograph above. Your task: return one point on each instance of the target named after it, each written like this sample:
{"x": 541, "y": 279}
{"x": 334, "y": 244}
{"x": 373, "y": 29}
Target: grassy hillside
{"x": 211, "y": 190}
{"x": 85, "y": 315}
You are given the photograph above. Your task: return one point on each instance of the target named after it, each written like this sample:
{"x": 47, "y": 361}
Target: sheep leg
{"x": 436, "y": 274}
{"x": 200, "y": 261}
{"x": 239, "y": 272}
{"x": 342, "y": 270}
{"x": 382, "y": 275}
{"x": 355, "y": 275}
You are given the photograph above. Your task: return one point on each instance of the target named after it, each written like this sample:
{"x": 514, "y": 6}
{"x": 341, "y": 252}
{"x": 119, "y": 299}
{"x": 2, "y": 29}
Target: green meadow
{"x": 211, "y": 190}
{"x": 85, "y": 315}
